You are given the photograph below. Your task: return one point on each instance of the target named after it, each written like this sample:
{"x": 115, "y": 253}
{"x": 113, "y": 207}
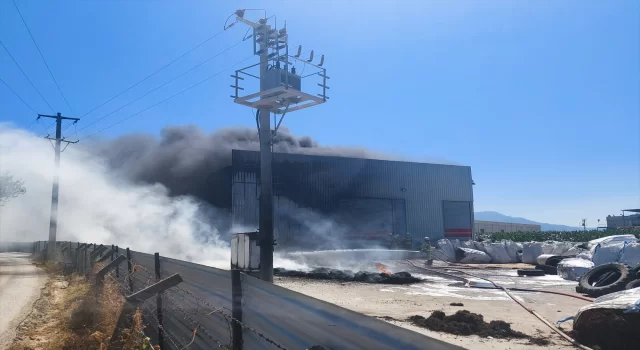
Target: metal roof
{"x": 632, "y": 210}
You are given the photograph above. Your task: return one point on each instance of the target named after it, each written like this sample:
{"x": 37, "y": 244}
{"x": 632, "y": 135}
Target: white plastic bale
{"x": 572, "y": 269}
{"x": 611, "y": 239}
{"x": 468, "y": 244}
{"x": 575, "y": 250}
{"x": 607, "y": 252}
{"x": 512, "y": 249}
{"x": 585, "y": 255}
{"x": 497, "y": 252}
{"x": 455, "y": 243}
{"x": 473, "y": 256}
{"x": 519, "y": 255}
{"x": 530, "y": 252}
{"x": 479, "y": 246}
{"x": 445, "y": 251}
{"x": 631, "y": 254}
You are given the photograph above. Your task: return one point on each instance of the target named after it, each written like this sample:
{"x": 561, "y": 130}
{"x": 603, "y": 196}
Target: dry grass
{"x": 73, "y": 313}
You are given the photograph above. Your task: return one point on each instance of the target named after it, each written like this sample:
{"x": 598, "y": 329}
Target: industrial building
{"x": 326, "y": 199}
{"x": 624, "y": 221}
{"x": 480, "y": 226}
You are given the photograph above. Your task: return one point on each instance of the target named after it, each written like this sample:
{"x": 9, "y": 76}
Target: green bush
{"x": 564, "y": 236}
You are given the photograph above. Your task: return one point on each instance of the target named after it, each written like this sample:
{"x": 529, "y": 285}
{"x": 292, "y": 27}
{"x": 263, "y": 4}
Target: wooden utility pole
{"x": 53, "y": 222}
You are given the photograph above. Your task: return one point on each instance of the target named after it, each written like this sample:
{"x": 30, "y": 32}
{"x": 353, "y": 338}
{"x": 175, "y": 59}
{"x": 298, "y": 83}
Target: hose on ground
{"x": 506, "y": 290}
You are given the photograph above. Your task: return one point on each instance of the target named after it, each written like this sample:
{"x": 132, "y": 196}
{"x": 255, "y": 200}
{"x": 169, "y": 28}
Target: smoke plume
{"x": 184, "y": 158}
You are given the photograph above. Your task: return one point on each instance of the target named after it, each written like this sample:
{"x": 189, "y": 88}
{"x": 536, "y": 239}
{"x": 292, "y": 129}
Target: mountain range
{"x": 498, "y": 217}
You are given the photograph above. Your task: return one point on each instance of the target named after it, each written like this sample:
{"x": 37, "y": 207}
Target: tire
{"x": 579, "y": 289}
{"x": 635, "y": 272}
{"x": 548, "y": 270}
{"x": 554, "y": 260}
{"x": 605, "y": 279}
{"x": 530, "y": 272}
{"x": 633, "y": 284}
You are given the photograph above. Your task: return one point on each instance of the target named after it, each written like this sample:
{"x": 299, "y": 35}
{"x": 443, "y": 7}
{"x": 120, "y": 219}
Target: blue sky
{"x": 540, "y": 98}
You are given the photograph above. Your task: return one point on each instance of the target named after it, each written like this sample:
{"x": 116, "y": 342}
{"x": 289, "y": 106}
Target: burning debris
{"x": 350, "y": 276}
{"x": 464, "y": 322}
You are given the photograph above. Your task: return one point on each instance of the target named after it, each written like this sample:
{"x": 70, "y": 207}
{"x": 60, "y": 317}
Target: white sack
{"x": 468, "y": 244}
{"x": 575, "y": 250}
{"x": 498, "y": 253}
{"x": 631, "y": 254}
{"x": 609, "y": 239}
{"x": 512, "y": 249}
{"x": 573, "y": 268}
{"x": 542, "y": 259}
{"x": 530, "y": 251}
{"x": 585, "y": 255}
{"x": 479, "y": 246}
{"x": 473, "y": 256}
{"x": 607, "y": 252}
{"x": 445, "y": 251}
{"x": 455, "y": 243}
{"x": 555, "y": 248}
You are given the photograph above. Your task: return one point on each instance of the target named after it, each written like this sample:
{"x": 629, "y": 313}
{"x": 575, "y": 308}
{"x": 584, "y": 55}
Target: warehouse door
{"x": 366, "y": 218}
{"x": 457, "y": 219}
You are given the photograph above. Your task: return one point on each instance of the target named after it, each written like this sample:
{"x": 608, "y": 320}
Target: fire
{"x": 383, "y": 269}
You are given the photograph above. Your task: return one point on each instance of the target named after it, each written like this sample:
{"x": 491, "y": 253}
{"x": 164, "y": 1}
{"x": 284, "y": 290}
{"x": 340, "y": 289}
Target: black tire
{"x": 530, "y": 272}
{"x": 635, "y": 272}
{"x": 548, "y": 270}
{"x": 605, "y": 279}
{"x": 633, "y": 284}
{"x": 579, "y": 289}
{"x": 554, "y": 260}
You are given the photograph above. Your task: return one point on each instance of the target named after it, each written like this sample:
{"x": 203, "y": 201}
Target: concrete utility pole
{"x": 53, "y": 222}
{"x": 280, "y": 93}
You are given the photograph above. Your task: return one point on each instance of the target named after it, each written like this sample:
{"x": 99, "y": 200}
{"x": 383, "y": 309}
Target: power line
{"x": 166, "y": 99}
{"x": 161, "y": 86}
{"x": 26, "y": 76}
{"x": 18, "y": 96}
{"x": 42, "y": 56}
{"x": 154, "y": 73}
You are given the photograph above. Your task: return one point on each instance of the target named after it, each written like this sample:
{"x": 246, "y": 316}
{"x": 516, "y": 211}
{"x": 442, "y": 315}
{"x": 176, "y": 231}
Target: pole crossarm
{"x": 58, "y": 116}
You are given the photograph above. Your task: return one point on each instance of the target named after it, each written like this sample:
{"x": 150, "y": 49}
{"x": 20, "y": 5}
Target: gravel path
{"x": 20, "y": 285}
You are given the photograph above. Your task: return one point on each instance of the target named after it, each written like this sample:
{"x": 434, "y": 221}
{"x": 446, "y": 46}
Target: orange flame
{"x": 383, "y": 269}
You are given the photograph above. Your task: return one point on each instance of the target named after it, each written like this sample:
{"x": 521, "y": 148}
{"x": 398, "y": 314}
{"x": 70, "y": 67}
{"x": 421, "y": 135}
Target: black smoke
{"x": 188, "y": 161}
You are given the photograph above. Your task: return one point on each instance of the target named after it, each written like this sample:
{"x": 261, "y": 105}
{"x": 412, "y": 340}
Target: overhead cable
{"x": 161, "y": 86}
{"x": 42, "y": 56}
{"x": 26, "y": 76}
{"x": 154, "y": 73}
{"x": 18, "y": 96}
{"x": 166, "y": 99}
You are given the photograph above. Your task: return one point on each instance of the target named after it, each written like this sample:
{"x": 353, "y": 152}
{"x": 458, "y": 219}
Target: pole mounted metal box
{"x": 245, "y": 252}
{"x": 277, "y": 77}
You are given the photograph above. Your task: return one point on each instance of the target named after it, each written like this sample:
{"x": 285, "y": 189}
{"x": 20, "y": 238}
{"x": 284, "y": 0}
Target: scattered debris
{"x": 608, "y": 329}
{"x": 349, "y": 276}
{"x": 464, "y": 322}
{"x": 456, "y": 304}
{"x": 387, "y": 318}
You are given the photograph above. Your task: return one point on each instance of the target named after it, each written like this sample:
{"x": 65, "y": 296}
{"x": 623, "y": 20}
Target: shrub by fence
{"x": 189, "y": 306}
{"x": 564, "y": 236}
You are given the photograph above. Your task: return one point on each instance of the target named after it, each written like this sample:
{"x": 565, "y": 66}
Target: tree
{"x": 10, "y": 188}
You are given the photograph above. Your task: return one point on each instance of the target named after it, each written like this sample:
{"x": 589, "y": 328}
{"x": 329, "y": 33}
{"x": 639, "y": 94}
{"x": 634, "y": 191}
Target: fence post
{"x": 77, "y": 258}
{"x": 236, "y": 310}
{"x": 113, "y": 248}
{"x": 159, "y": 304}
{"x": 117, "y": 267}
{"x": 130, "y": 267}
{"x": 84, "y": 262}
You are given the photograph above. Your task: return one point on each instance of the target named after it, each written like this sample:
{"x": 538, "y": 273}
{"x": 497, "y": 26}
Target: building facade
{"x": 319, "y": 198}
{"x": 493, "y": 227}
{"x": 623, "y": 221}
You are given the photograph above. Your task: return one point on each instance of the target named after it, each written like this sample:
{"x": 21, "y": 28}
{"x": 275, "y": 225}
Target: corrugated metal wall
{"x": 321, "y": 183}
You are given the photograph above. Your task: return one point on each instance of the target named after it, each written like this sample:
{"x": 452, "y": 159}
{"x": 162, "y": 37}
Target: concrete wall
{"x": 493, "y": 226}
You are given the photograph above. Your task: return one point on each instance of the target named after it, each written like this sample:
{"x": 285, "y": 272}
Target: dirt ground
{"x": 395, "y": 304}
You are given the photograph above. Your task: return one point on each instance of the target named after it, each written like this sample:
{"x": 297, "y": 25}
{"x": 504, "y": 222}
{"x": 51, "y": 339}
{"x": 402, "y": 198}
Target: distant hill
{"x": 495, "y": 216}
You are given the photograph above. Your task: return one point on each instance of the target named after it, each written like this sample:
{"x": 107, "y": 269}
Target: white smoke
{"x": 96, "y": 206}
